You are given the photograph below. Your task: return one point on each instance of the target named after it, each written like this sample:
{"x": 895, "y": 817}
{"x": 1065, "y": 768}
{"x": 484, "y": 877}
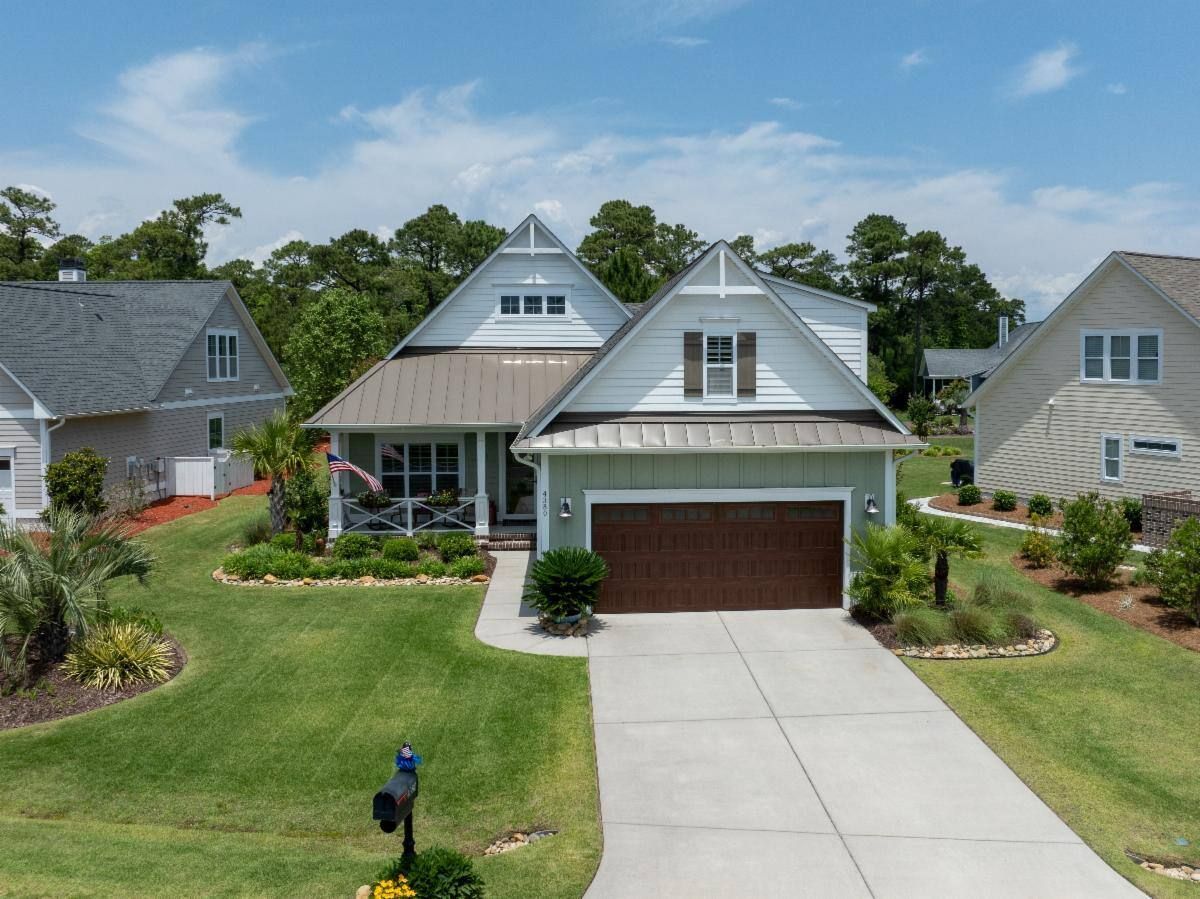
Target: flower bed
{"x": 1040, "y": 644}
{"x": 948, "y": 502}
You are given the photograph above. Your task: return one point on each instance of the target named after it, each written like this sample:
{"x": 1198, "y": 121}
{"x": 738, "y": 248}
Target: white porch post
{"x": 335, "y": 491}
{"x": 481, "y": 497}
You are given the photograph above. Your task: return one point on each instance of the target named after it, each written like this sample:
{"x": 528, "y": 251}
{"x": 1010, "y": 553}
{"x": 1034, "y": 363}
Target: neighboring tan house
{"x": 717, "y": 445}
{"x": 141, "y": 371}
{"x": 1105, "y": 395}
{"x": 942, "y": 367}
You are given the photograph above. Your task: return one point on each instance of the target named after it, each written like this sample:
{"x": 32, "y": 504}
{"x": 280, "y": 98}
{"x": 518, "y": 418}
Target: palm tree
{"x": 890, "y": 575}
{"x": 943, "y": 538}
{"x": 52, "y": 586}
{"x": 278, "y": 448}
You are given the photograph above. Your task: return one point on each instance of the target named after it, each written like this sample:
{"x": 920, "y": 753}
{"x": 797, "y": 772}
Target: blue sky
{"x": 1038, "y": 135}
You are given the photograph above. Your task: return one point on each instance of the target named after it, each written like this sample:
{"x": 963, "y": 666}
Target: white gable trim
{"x": 817, "y": 292}
{"x": 38, "y": 410}
{"x": 1074, "y": 297}
{"x": 760, "y": 287}
{"x": 526, "y": 228}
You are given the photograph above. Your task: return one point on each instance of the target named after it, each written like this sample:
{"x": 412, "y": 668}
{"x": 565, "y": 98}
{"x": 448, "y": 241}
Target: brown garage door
{"x": 690, "y": 557}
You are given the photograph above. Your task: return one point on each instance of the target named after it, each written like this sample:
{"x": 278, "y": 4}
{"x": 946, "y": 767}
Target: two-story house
{"x": 1104, "y": 394}
{"x": 717, "y": 444}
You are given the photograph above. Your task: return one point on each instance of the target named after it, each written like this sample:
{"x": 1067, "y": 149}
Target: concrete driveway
{"x": 764, "y": 754}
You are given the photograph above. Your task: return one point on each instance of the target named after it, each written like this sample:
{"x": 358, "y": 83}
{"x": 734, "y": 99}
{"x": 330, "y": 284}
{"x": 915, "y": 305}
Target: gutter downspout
{"x": 46, "y": 431}
{"x": 542, "y": 510}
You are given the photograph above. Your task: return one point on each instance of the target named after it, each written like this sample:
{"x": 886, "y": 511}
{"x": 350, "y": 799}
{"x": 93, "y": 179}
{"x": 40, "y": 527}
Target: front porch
{"x": 434, "y": 481}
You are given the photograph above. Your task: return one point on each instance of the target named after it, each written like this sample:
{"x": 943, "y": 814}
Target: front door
{"x": 519, "y": 485}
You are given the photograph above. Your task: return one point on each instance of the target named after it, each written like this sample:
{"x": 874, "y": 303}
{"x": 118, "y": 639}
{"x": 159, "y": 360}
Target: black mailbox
{"x": 394, "y": 802}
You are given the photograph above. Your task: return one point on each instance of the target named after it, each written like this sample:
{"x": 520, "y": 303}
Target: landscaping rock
{"x": 270, "y": 579}
{"x": 480, "y": 579}
{"x": 1042, "y": 643}
{"x": 368, "y": 579}
{"x": 363, "y": 892}
{"x": 422, "y": 579}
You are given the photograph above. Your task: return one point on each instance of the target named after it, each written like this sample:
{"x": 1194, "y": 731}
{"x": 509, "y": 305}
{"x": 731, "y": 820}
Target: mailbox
{"x": 394, "y": 802}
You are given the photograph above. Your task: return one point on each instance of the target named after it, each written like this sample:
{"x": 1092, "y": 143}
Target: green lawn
{"x": 252, "y": 772}
{"x": 927, "y": 475}
{"x": 1106, "y": 729}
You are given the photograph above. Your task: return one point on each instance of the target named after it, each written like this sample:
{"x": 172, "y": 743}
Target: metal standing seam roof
{"x": 1176, "y": 276}
{"x": 764, "y": 430}
{"x": 437, "y": 386}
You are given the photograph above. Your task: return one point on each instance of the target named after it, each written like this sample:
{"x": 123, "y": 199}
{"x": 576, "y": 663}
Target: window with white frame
{"x": 525, "y": 302}
{"x": 719, "y": 365}
{"x": 216, "y": 430}
{"x": 420, "y": 469}
{"x": 1156, "y": 446}
{"x": 1110, "y": 457}
{"x": 1121, "y": 357}
{"x": 222, "y": 354}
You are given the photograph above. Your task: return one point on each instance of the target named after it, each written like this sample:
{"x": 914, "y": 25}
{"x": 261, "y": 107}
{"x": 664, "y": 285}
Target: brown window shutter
{"x": 693, "y": 375}
{"x": 747, "y": 362}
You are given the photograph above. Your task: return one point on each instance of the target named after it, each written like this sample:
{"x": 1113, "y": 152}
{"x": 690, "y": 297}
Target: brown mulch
{"x": 1146, "y": 612}
{"x": 173, "y": 507}
{"x": 948, "y": 502}
{"x": 60, "y": 697}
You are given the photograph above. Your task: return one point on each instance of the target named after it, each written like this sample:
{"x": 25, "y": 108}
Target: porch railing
{"x": 405, "y": 515}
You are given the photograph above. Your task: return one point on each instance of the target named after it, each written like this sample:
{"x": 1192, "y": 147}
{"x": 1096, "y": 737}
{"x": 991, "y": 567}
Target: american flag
{"x": 337, "y": 463}
{"x": 390, "y": 452}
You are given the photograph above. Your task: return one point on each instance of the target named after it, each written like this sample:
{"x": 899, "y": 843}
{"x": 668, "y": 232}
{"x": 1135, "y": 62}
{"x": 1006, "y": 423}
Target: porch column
{"x": 481, "y": 497}
{"x": 335, "y": 491}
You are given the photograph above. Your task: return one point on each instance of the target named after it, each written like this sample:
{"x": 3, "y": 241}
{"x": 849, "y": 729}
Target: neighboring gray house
{"x": 942, "y": 367}
{"x": 141, "y": 371}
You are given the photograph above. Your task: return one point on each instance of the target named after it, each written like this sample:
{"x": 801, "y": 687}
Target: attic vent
{"x": 1002, "y": 338}
{"x": 72, "y": 270}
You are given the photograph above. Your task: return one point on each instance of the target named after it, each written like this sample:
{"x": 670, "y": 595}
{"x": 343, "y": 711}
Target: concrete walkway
{"x": 764, "y": 754}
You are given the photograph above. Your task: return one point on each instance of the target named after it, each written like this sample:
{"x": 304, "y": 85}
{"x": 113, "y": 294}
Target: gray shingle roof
{"x": 957, "y": 363}
{"x": 100, "y": 346}
{"x": 1176, "y": 276}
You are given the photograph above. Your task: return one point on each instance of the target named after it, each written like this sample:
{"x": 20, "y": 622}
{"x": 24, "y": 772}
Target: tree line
{"x": 330, "y": 310}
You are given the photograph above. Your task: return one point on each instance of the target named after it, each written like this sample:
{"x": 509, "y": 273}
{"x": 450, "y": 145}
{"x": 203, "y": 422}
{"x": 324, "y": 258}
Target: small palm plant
{"x": 943, "y": 538}
{"x": 278, "y": 448}
{"x": 565, "y": 582}
{"x": 890, "y": 575}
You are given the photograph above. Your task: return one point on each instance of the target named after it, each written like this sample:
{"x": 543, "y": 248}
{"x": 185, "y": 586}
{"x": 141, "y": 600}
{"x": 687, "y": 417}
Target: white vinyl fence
{"x": 210, "y": 476}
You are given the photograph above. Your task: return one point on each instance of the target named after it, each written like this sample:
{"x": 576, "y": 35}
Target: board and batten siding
{"x": 192, "y": 371}
{"x": 472, "y": 318}
{"x": 842, "y": 326}
{"x": 646, "y": 374}
{"x": 571, "y": 474}
{"x": 1024, "y": 444}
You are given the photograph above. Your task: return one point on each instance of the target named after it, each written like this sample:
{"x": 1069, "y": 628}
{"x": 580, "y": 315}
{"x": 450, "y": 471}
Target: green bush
{"x": 77, "y": 481}
{"x": 354, "y": 546}
{"x": 1175, "y": 569}
{"x": 283, "y": 542}
{"x": 1040, "y": 504}
{"x": 114, "y": 655}
{"x": 426, "y": 539}
{"x": 253, "y": 562}
{"x": 350, "y": 569}
{"x": 292, "y": 566}
{"x": 1037, "y": 547}
{"x": 976, "y": 624}
{"x": 991, "y": 591}
{"x": 439, "y": 873}
{"x": 951, "y": 451}
{"x": 403, "y": 549}
{"x": 1018, "y": 623}
{"x": 306, "y": 499}
{"x": 906, "y": 513}
{"x": 1004, "y": 500}
{"x": 1095, "y": 539}
{"x": 969, "y": 495}
{"x": 566, "y": 581}
{"x": 390, "y": 568}
{"x": 933, "y": 450}
{"x": 1131, "y": 508}
{"x": 890, "y": 576}
{"x": 467, "y": 567}
{"x": 257, "y": 531}
{"x": 432, "y": 568}
{"x": 134, "y": 615}
{"x": 921, "y": 415}
{"x": 921, "y": 627}
{"x": 456, "y": 546}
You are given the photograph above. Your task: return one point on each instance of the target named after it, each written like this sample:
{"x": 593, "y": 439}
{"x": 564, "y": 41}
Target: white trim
{"x": 732, "y": 495}
{"x": 29, "y": 413}
{"x": 1162, "y": 454}
{"x": 208, "y": 430}
{"x": 818, "y": 292}
{"x": 221, "y": 401}
{"x": 721, "y": 291}
{"x": 481, "y": 498}
{"x": 430, "y": 439}
{"x": 678, "y": 450}
{"x": 541, "y": 290}
{"x": 39, "y": 410}
{"x": 1104, "y": 438}
{"x": 8, "y": 496}
{"x": 732, "y": 396}
{"x": 236, "y": 357}
{"x": 1107, "y": 335}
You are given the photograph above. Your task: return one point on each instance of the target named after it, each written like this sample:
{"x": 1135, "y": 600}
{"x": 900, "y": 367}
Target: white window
{"x": 420, "y": 469}
{"x": 1121, "y": 357}
{"x": 216, "y": 430}
{"x": 518, "y": 301}
{"x": 719, "y": 365}
{"x": 1156, "y": 446}
{"x": 1110, "y": 457}
{"x": 532, "y": 304}
{"x": 222, "y": 354}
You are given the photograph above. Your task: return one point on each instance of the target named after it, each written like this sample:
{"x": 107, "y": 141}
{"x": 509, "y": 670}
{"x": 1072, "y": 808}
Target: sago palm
{"x": 277, "y": 448}
{"x": 943, "y": 538}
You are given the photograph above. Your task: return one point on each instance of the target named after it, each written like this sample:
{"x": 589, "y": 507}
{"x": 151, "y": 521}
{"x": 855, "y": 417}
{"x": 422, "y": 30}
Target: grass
{"x": 252, "y": 772}
{"x": 925, "y": 475}
{"x": 1104, "y": 729}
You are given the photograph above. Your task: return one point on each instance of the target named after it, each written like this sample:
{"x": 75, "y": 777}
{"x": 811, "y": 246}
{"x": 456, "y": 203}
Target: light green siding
{"x": 571, "y": 475}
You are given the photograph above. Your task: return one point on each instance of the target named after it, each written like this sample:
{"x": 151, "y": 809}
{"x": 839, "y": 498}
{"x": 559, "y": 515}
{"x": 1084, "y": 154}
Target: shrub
{"x": 921, "y": 627}
{"x": 306, "y": 499}
{"x": 354, "y": 546}
{"x": 114, "y": 655}
{"x": 292, "y": 566}
{"x": 1175, "y": 569}
{"x": 134, "y": 615}
{"x": 257, "y": 531}
{"x": 1040, "y": 504}
{"x": 439, "y": 873}
{"x": 933, "y": 450}
{"x": 77, "y": 481}
{"x": 906, "y": 513}
{"x": 992, "y": 592}
{"x": 1095, "y": 539}
{"x": 921, "y": 414}
{"x": 1131, "y": 508}
{"x": 890, "y": 575}
{"x": 390, "y": 568}
{"x": 951, "y": 451}
{"x": 426, "y": 540}
{"x": 1018, "y": 623}
{"x": 1037, "y": 547}
{"x": 432, "y": 568}
{"x": 350, "y": 569}
{"x": 1004, "y": 500}
{"x": 975, "y": 624}
{"x": 283, "y": 542}
{"x": 403, "y": 549}
{"x": 396, "y": 887}
{"x": 566, "y": 581}
{"x": 467, "y": 567}
{"x": 253, "y": 562}
{"x": 942, "y": 538}
{"x": 455, "y": 546}
{"x": 969, "y": 495}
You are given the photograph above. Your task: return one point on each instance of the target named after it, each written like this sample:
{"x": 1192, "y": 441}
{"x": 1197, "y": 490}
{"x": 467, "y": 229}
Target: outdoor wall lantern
{"x": 564, "y": 507}
{"x": 871, "y": 507}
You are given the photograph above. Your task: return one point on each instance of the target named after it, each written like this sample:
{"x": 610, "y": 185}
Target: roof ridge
{"x": 51, "y": 287}
{"x": 1157, "y": 255}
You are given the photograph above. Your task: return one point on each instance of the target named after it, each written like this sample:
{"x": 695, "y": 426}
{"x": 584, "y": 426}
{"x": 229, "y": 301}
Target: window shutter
{"x": 747, "y": 362}
{"x": 693, "y": 375}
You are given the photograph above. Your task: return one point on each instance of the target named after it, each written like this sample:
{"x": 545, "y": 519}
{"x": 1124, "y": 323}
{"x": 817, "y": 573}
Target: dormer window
{"x": 222, "y": 354}
{"x": 533, "y": 302}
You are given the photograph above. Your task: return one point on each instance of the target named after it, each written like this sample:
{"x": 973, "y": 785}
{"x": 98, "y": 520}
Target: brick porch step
{"x": 508, "y": 541}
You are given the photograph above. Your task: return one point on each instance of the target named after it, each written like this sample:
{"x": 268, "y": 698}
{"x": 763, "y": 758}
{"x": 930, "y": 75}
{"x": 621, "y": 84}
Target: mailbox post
{"x": 394, "y": 801}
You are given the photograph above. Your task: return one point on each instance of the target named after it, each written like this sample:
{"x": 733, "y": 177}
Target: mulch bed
{"x": 60, "y": 697}
{"x": 164, "y": 510}
{"x": 948, "y": 502}
{"x": 1138, "y": 606}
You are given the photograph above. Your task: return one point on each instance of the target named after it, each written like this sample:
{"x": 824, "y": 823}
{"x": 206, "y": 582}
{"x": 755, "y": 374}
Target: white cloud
{"x": 778, "y": 183}
{"x": 1044, "y": 72}
{"x": 912, "y": 60}
{"x": 1117, "y": 87}
{"x": 656, "y": 15}
{"x": 684, "y": 42}
{"x": 260, "y": 253}
{"x": 785, "y": 103}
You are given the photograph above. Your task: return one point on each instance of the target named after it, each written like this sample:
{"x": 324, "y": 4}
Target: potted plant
{"x": 447, "y": 496}
{"x": 563, "y": 586}
{"x": 374, "y": 499}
